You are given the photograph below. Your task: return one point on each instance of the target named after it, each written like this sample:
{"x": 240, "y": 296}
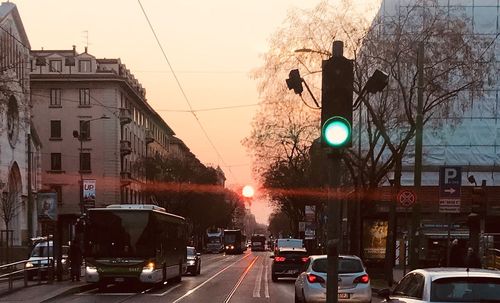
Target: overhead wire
{"x": 184, "y": 93}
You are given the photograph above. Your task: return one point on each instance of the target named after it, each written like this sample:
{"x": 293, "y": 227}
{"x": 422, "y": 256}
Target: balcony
{"x": 149, "y": 136}
{"x": 125, "y": 147}
{"x": 125, "y": 178}
{"x": 125, "y": 116}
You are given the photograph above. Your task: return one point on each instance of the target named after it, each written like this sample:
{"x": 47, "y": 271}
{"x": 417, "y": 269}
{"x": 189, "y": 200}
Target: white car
{"x": 354, "y": 282}
{"x": 446, "y": 284}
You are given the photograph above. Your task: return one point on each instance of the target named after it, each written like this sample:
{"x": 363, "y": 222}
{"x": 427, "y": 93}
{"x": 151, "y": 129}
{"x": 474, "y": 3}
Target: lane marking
{"x": 266, "y": 281}
{"x": 258, "y": 281}
{"x": 210, "y": 279}
{"x": 166, "y": 292}
{"x": 228, "y": 298}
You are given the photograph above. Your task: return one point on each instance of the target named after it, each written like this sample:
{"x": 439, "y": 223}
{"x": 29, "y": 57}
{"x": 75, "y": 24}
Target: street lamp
{"x": 82, "y": 136}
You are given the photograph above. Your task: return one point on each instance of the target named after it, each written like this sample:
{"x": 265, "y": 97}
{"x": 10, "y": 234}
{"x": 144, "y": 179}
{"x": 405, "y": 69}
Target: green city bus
{"x": 131, "y": 242}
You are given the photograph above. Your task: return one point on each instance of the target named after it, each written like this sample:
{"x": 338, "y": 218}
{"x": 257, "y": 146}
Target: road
{"x": 242, "y": 278}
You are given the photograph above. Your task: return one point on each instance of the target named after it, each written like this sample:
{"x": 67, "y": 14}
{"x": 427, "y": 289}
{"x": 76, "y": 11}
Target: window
{"x": 411, "y": 285}
{"x": 55, "y": 66}
{"x": 84, "y": 129}
{"x": 84, "y": 66}
{"x": 55, "y": 161}
{"x": 85, "y": 162}
{"x": 55, "y": 129}
{"x": 55, "y": 97}
{"x": 84, "y": 96}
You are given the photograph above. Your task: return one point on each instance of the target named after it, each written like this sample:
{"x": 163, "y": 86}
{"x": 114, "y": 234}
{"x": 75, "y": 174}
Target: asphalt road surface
{"x": 242, "y": 278}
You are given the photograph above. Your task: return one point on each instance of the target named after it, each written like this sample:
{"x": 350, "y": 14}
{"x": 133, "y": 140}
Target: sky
{"x": 212, "y": 46}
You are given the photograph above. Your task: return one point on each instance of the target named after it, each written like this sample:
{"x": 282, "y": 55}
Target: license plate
{"x": 343, "y": 296}
{"x": 292, "y": 272}
{"x": 119, "y": 279}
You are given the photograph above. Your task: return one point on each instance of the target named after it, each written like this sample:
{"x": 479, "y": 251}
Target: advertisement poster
{"x": 374, "y": 238}
{"x": 47, "y": 206}
{"x": 310, "y": 213}
{"x": 88, "y": 193}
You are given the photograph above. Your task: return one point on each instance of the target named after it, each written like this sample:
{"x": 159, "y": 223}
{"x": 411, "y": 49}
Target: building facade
{"x": 19, "y": 145}
{"x": 468, "y": 139}
{"x": 96, "y": 128}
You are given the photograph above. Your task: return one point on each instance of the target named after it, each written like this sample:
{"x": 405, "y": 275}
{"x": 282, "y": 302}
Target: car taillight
{"x": 305, "y": 259}
{"x": 279, "y": 259}
{"x": 315, "y": 279}
{"x": 362, "y": 279}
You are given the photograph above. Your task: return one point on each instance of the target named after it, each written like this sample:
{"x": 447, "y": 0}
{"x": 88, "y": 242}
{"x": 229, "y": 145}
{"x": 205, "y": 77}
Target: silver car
{"x": 446, "y": 284}
{"x": 354, "y": 282}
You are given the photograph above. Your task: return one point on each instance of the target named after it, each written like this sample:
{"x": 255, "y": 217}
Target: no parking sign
{"x": 406, "y": 198}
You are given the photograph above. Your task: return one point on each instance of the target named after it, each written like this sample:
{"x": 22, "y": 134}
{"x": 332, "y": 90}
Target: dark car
{"x": 288, "y": 262}
{"x": 193, "y": 261}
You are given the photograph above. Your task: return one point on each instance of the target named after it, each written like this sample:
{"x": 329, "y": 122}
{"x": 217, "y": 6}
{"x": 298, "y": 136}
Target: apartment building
{"x": 96, "y": 128}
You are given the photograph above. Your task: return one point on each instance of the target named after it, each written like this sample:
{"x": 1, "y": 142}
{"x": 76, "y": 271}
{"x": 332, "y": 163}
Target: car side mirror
{"x": 198, "y": 254}
{"x": 384, "y": 293}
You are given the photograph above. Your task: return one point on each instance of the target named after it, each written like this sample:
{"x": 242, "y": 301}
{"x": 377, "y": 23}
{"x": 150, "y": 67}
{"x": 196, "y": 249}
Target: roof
{"x": 454, "y": 272}
{"x": 7, "y": 8}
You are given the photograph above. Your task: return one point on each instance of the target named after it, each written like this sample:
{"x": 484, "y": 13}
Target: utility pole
{"x": 415, "y": 220}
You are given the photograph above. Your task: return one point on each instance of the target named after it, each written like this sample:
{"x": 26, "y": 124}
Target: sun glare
{"x": 247, "y": 191}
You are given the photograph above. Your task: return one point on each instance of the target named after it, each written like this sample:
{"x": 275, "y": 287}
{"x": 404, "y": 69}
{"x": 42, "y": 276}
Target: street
{"x": 232, "y": 278}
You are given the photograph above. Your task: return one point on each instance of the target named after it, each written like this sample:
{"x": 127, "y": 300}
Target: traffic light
{"x": 294, "y": 81}
{"x": 479, "y": 199}
{"x": 336, "y": 108}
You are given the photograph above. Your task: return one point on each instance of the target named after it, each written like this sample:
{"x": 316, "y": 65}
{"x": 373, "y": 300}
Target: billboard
{"x": 88, "y": 193}
{"x": 374, "y": 238}
{"x": 47, "y": 206}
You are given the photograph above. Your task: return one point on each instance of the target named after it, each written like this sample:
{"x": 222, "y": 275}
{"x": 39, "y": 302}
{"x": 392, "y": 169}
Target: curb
{"x": 71, "y": 291}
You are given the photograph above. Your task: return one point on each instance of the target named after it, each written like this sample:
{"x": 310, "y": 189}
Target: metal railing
{"x": 18, "y": 270}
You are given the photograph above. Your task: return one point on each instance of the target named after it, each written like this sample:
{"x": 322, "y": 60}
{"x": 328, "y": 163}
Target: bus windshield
{"x": 120, "y": 233}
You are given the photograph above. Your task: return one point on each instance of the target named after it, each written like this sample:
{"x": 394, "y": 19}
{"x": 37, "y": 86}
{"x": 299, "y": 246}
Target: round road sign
{"x": 406, "y": 197}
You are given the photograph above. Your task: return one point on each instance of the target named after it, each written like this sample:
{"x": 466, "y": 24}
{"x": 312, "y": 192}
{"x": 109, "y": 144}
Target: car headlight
{"x": 227, "y": 247}
{"x": 149, "y": 267}
{"x": 63, "y": 261}
{"x": 91, "y": 269}
{"x": 28, "y": 265}
{"x": 191, "y": 262}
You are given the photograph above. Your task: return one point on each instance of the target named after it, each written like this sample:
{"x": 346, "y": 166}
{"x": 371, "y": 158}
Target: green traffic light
{"x": 336, "y": 132}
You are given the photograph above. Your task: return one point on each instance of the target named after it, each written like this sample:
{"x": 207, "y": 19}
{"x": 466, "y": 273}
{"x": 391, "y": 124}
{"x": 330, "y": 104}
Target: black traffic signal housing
{"x": 479, "y": 199}
{"x": 294, "y": 81}
{"x": 336, "y": 96}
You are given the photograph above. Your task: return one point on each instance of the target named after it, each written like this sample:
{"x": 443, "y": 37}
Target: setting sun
{"x": 247, "y": 191}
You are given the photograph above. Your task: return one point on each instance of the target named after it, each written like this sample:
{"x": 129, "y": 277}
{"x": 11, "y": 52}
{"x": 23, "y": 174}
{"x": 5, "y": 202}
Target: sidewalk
{"x": 36, "y": 293}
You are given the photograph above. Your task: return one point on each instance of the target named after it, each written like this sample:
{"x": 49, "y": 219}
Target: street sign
{"x": 450, "y": 184}
{"x": 406, "y": 198}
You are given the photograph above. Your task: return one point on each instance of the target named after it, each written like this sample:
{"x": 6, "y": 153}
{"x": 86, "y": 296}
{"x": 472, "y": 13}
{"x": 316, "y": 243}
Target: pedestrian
{"x": 457, "y": 254}
{"x": 472, "y": 260}
{"x": 75, "y": 259}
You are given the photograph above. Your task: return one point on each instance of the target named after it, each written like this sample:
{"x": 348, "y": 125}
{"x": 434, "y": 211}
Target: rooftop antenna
{"x": 86, "y": 37}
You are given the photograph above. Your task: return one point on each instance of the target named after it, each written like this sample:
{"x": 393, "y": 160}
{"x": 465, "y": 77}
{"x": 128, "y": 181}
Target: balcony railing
{"x": 149, "y": 136}
{"x": 125, "y": 147}
{"x": 125, "y": 116}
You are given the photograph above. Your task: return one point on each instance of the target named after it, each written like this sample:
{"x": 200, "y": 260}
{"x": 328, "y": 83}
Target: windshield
{"x": 127, "y": 234}
{"x": 42, "y": 251}
{"x": 346, "y": 266}
{"x": 230, "y": 238}
{"x": 294, "y": 243}
{"x": 466, "y": 289}
{"x": 190, "y": 251}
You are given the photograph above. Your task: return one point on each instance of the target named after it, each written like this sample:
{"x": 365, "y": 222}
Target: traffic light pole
{"x": 333, "y": 225}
